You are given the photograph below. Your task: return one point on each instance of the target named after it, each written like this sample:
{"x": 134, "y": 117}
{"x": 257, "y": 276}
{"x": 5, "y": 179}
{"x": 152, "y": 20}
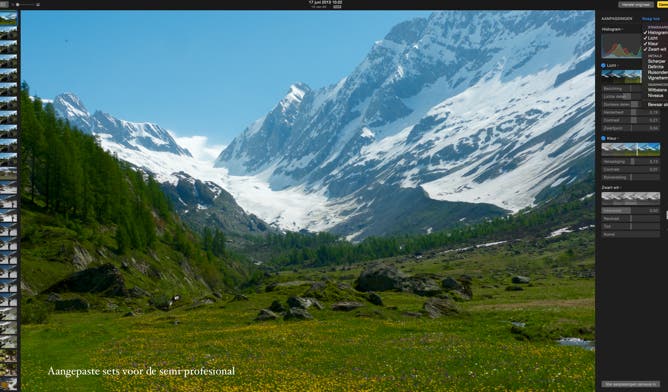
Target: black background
{"x": 631, "y": 274}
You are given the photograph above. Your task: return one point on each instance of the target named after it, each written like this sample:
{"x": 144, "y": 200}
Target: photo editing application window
{"x": 333, "y": 195}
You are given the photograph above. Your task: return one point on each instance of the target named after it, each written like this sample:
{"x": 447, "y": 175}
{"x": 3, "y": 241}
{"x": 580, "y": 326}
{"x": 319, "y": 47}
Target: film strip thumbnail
{"x": 9, "y": 383}
{"x": 8, "y": 75}
{"x": 9, "y": 89}
{"x": 9, "y": 33}
{"x": 9, "y": 286}
{"x": 8, "y": 132}
{"x": 9, "y": 240}
{"x": 8, "y": 18}
{"x": 9, "y": 47}
{"x": 9, "y": 257}
{"x": 8, "y": 272}
{"x": 8, "y": 243}
{"x": 9, "y": 368}
{"x": 8, "y": 201}
{"x": 8, "y": 103}
{"x": 8, "y": 117}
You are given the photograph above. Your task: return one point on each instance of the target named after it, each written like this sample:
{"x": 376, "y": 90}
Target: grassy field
{"x": 373, "y": 348}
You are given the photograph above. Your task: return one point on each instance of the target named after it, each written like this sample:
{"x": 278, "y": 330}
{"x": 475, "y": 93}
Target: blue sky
{"x": 195, "y": 73}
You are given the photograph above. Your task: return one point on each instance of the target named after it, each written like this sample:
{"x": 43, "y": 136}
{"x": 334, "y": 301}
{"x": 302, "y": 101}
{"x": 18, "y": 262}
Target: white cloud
{"x": 199, "y": 147}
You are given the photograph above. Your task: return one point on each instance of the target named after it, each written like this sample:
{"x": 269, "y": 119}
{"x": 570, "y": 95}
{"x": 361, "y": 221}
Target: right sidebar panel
{"x": 632, "y": 245}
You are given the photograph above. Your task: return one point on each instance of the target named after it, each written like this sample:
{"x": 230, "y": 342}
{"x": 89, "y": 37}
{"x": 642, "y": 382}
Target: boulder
{"x": 239, "y": 297}
{"x": 518, "y": 279}
{"x": 459, "y": 295}
{"x": 266, "y": 314}
{"x": 277, "y": 307}
{"x": 347, "y": 306}
{"x": 316, "y": 303}
{"x": 450, "y": 283}
{"x": 318, "y": 287}
{"x": 466, "y": 279}
{"x": 380, "y": 277}
{"x": 53, "y": 297}
{"x": 437, "y": 307}
{"x": 206, "y": 301}
{"x": 105, "y": 279}
{"x": 458, "y": 289}
{"x": 375, "y": 299}
{"x": 298, "y": 314}
{"x": 138, "y": 292}
{"x": 303, "y": 303}
{"x": 81, "y": 258}
{"x": 200, "y": 302}
{"x": 66, "y": 305}
{"x": 423, "y": 286}
{"x": 332, "y": 292}
{"x": 466, "y": 282}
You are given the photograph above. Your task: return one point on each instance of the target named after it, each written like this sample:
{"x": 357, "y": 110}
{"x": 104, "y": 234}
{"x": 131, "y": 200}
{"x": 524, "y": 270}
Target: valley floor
{"x": 500, "y": 340}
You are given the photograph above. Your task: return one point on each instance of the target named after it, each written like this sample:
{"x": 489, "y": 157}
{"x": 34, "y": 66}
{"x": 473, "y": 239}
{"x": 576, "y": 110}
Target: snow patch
{"x": 587, "y": 196}
{"x": 367, "y": 133}
{"x": 562, "y": 231}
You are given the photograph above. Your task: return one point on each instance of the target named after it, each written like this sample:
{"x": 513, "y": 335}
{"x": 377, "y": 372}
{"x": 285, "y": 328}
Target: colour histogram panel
{"x": 621, "y": 46}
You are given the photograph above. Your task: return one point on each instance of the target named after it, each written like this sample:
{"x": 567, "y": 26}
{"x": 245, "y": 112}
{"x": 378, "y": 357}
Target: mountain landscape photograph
{"x": 288, "y": 201}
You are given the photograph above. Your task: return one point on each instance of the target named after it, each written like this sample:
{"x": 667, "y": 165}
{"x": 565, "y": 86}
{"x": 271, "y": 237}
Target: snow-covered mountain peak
{"x": 407, "y": 32}
{"x": 104, "y": 118}
{"x": 294, "y": 97}
{"x": 457, "y": 104}
{"x": 68, "y": 105}
{"x": 126, "y": 133}
{"x": 297, "y": 92}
